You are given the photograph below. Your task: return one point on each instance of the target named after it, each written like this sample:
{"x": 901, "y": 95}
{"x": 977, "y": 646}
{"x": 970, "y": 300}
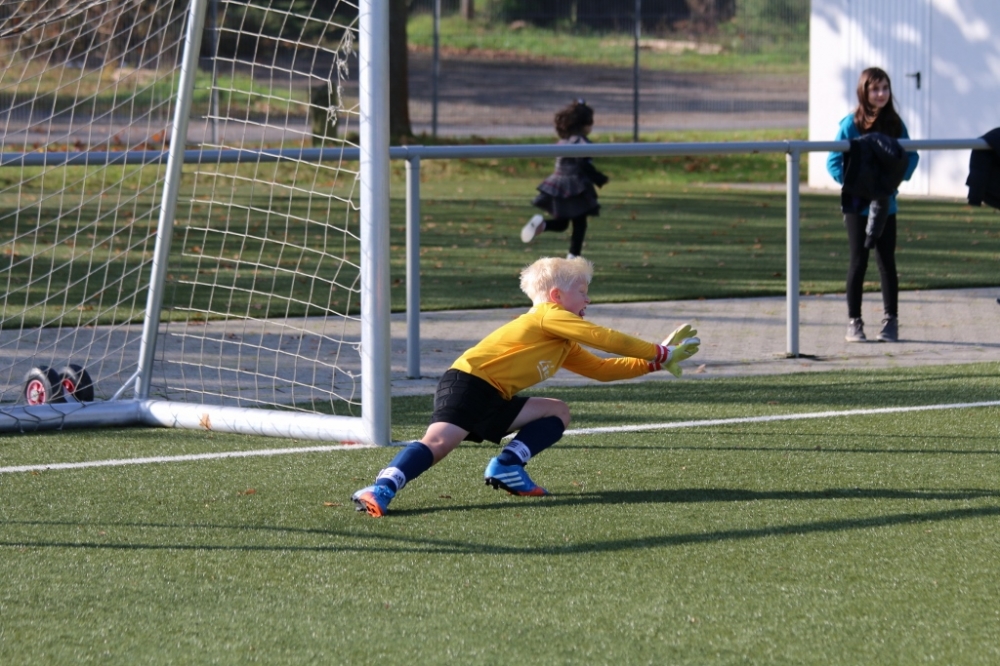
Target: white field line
{"x": 582, "y": 431}
{"x": 781, "y": 417}
{"x": 183, "y": 458}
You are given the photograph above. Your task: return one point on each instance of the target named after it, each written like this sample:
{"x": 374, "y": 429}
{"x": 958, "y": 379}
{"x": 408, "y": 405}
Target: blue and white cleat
{"x": 512, "y": 478}
{"x": 373, "y": 499}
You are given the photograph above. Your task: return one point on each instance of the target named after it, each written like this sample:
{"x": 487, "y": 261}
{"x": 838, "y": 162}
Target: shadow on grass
{"x": 400, "y": 543}
{"x": 892, "y": 388}
{"x": 895, "y": 387}
{"x": 705, "y": 495}
{"x": 783, "y": 437}
{"x": 751, "y": 397}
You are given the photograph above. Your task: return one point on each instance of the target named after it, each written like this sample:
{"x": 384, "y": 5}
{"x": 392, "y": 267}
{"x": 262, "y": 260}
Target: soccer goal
{"x": 194, "y": 216}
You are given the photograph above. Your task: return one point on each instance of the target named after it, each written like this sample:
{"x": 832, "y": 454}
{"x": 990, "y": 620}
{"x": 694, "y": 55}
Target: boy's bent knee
{"x": 540, "y": 408}
{"x": 440, "y": 447}
{"x": 566, "y": 418}
{"x": 562, "y": 412}
{"x": 442, "y": 439}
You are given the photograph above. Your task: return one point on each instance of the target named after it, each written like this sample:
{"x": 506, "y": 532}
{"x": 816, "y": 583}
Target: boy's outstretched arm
{"x": 583, "y": 362}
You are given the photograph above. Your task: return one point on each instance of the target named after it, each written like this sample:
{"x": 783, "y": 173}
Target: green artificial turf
{"x": 848, "y": 540}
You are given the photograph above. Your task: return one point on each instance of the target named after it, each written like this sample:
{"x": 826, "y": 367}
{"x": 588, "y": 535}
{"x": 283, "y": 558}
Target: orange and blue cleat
{"x": 373, "y": 499}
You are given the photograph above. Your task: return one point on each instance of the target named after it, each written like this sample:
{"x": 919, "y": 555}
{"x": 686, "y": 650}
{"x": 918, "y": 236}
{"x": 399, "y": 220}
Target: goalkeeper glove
{"x": 680, "y": 334}
{"x": 669, "y": 356}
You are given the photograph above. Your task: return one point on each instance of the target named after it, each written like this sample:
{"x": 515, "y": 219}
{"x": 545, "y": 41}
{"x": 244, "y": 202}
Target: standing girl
{"x": 875, "y": 113}
{"x": 568, "y": 195}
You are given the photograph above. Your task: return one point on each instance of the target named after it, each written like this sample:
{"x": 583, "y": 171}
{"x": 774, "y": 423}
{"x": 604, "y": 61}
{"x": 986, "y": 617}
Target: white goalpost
{"x": 194, "y": 216}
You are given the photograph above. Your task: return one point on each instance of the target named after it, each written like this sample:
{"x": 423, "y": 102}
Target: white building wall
{"x": 954, "y": 44}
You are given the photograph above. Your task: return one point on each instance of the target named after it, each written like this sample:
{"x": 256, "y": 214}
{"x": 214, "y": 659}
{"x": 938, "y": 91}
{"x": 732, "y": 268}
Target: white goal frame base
{"x": 172, "y": 414}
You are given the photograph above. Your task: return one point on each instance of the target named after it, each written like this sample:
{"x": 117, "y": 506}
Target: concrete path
{"x": 746, "y": 336}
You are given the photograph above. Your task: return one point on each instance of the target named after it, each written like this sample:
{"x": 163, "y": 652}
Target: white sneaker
{"x": 535, "y": 226}
{"x": 572, "y": 256}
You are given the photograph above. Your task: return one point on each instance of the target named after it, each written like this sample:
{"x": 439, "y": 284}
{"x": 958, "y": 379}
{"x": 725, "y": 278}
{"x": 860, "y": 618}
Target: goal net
{"x": 180, "y": 216}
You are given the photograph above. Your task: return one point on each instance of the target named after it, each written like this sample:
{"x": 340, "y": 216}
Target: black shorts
{"x": 475, "y": 405}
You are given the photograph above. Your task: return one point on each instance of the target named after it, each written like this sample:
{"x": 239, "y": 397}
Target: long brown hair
{"x": 869, "y": 119}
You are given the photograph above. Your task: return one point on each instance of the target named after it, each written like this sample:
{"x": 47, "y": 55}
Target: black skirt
{"x": 568, "y": 207}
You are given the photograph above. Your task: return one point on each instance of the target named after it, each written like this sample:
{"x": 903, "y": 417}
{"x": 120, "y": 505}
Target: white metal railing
{"x": 414, "y": 154}
{"x": 793, "y": 151}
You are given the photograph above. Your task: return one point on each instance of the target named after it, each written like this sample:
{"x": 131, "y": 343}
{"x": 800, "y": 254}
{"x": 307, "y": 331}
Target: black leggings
{"x": 885, "y": 256}
{"x": 579, "y": 231}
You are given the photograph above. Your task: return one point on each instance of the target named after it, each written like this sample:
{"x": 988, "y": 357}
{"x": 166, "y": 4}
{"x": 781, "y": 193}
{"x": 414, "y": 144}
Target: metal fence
{"x": 751, "y": 69}
{"x": 458, "y": 90}
{"x": 413, "y": 155}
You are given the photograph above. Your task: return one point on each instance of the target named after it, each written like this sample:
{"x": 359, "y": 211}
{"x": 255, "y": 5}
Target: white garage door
{"x": 895, "y": 35}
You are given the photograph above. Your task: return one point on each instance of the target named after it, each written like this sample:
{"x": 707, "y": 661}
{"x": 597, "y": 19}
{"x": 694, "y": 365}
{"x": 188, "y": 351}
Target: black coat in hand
{"x": 984, "y": 172}
{"x": 874, "y": 168}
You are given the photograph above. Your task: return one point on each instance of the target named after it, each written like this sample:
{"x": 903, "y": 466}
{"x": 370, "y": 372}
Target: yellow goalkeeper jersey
{"x": 534, "y": 346}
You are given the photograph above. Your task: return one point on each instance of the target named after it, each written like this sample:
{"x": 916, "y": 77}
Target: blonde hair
{"x": 540, "y": 277}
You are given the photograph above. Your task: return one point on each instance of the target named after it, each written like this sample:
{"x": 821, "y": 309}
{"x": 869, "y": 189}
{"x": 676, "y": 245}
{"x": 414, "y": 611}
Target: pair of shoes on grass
{"x": 512, "y": 478}
{"x": 889, "y": 332}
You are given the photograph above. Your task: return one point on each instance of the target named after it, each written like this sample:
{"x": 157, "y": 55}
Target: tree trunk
{"x": 468, "y": 9}
{"x": 705, "y": 14}
{"x": 399, "y": 85}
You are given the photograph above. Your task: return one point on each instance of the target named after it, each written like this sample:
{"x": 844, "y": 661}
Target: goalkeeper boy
{"x": 477, "y": 399}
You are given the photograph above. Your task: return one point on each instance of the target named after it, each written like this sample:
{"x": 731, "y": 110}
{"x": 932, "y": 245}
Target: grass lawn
{"x": 670, "y": 228}
{"x": 690, "y": 243}
{"x": 761, "y": 47}
{"x": 849, "y": 540}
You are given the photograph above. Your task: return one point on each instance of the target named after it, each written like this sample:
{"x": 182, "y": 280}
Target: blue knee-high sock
{"x": 411, "y": 462}
{"x": 531, "y": 440}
